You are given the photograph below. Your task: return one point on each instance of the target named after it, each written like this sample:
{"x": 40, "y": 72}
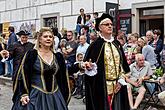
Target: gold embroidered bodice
{"x": 112, "y": 66}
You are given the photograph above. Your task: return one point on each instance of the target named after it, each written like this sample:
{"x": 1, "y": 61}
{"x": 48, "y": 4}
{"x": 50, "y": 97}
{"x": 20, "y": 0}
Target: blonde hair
{"x": 41, "y": 31}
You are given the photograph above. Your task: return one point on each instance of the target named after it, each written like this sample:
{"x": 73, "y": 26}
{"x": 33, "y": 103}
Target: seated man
{"x": 140, "y": 70}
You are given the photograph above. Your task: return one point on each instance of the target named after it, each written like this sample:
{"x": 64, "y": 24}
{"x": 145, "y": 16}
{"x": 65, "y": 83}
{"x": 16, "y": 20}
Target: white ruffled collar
{"x": 107, "y": 40}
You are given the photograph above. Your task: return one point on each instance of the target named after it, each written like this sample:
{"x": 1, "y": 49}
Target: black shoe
{"x": 7, "y": 75}
{"x": 79, "y": 97}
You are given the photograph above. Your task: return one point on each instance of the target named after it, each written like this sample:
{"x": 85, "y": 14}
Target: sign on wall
{"x": 50, "y": 22}
{"x": 5, "y": 27}
{"x": 125, "y": 20}
{"x": 29, "y": 26}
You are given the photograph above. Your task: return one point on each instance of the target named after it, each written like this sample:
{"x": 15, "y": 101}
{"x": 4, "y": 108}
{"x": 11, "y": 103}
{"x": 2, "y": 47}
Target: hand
{"x": 140, "y": 81}
{"x": 88, "y": 65}
{"x": 4, "y": 53}
{"x": 25, "y": 100}
{"x": 117, "y": 88}
{"x": 136, "y": 84}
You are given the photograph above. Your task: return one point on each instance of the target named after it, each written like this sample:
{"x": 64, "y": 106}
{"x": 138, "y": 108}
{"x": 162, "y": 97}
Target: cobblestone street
{"x": 75, "y": 104}
{"x": 6, "y": 95}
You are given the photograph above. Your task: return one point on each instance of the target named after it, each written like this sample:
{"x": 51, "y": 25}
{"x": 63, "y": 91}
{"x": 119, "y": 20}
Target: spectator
{"x": 83, "y": 45}
{"x": 130, "y": 50}
{"x": 95, "y": 16}
{"x": 93, "y": 36}
{"x": 69, "y": 50}
{"x": 64, "y": 33}
{"x": 148, "y": 52}
{"x": 85, "y": 32}
{"x": 149, "y": 35}
{"x": 57, "y": 37}
{"x": 56, "y": 32}
{"x": 122, "y": 39}
{"x": 157, "y": 44}
{"x": 62, "y": 45}
{"x": 140, "y": 71}
{"x": 79, "y": 76}
{"x": 81, "y": 20}
{"x": 12, "y": 39}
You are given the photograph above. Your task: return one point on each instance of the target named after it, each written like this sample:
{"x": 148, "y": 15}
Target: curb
{"x": 6, "y": 80}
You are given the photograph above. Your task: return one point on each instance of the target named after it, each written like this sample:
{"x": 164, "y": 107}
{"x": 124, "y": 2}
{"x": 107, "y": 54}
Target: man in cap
{"x": 17, "y": 50}
{"x": 103, "y": 90}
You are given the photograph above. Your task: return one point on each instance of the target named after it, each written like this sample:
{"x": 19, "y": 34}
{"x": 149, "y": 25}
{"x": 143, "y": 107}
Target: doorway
{"x": 151, "y": 24}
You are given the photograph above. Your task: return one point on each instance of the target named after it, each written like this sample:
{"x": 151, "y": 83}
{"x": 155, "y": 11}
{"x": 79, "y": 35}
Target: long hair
{"x": 41, "y": 31}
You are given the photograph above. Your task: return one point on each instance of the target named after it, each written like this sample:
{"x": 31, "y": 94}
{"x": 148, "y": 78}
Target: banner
{"x": 5, "y": 28}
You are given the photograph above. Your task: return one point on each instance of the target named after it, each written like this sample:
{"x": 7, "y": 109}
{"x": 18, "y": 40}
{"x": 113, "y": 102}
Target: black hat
{"x": 23, "y": 32}
{"x": 103, "y": 16}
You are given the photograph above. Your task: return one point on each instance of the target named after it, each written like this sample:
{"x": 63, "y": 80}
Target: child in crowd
{"x": 79, "y": 76}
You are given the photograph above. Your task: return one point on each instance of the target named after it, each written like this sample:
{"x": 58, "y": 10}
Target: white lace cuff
{"x": 93, "y": 71}
{"x": 122, "y": 81}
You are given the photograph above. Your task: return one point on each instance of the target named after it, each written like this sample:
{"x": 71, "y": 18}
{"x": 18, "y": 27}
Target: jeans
{"x": 9, "y": 67}
{"x": 78, "y": 29}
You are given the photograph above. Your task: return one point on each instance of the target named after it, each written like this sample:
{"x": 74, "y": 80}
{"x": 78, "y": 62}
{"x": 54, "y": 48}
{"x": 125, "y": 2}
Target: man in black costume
{"x": 104, "y": 91}
{"x": 17, "y": 50}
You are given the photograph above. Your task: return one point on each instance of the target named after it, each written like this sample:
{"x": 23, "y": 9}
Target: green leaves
{"x": 159, "y": 72}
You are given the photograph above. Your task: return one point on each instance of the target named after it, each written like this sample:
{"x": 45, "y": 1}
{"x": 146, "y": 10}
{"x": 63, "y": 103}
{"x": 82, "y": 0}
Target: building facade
{"x": 33, "y": 14}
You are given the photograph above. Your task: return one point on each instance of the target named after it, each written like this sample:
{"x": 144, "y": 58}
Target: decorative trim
{"x": 67, "y": 76}
{"x": 44, "y": 91}
{"x": 42, "y": 73}
{"x": 19, "y": 70}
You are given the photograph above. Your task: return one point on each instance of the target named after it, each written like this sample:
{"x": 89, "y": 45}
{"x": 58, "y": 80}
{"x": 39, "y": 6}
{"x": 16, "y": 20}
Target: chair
{"x": 152, "y": 94}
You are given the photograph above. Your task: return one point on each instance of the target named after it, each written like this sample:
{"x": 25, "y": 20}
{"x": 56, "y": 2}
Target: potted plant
{"x": 158, "y": 73}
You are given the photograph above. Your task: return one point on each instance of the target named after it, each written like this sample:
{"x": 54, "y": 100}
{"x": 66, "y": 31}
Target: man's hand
{"x": 88, "y": 65}
{"x": 118, "y": 87}
{"x": 4, "y": 53}
{"x": 136, "y": 84}
{"x": 140, "y": 81}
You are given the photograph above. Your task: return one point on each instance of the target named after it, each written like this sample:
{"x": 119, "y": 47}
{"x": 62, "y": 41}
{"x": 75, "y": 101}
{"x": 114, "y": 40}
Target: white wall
{"x": 10, "y": 4}
{"x": 2, "y": 5}
{"x": 24, "y": 10}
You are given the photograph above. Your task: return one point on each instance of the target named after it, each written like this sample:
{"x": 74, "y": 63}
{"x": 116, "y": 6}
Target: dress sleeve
{"x": 21, "y": 83}
{"x": 63, "y": 78}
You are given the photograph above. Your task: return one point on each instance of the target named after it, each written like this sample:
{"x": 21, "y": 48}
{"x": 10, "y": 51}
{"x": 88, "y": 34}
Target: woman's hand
{"x": 25, "y": 100}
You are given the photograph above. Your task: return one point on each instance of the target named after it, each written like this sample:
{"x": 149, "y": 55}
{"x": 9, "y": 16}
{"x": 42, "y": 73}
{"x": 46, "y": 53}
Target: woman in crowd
{"x": 148, "y": 52}
{"x": 41, "y": 81}
{"x": 157, "y": 44}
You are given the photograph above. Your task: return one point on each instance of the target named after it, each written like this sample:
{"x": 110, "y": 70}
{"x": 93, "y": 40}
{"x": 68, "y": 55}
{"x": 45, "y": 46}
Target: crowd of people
{"x": 103, "y": 69}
